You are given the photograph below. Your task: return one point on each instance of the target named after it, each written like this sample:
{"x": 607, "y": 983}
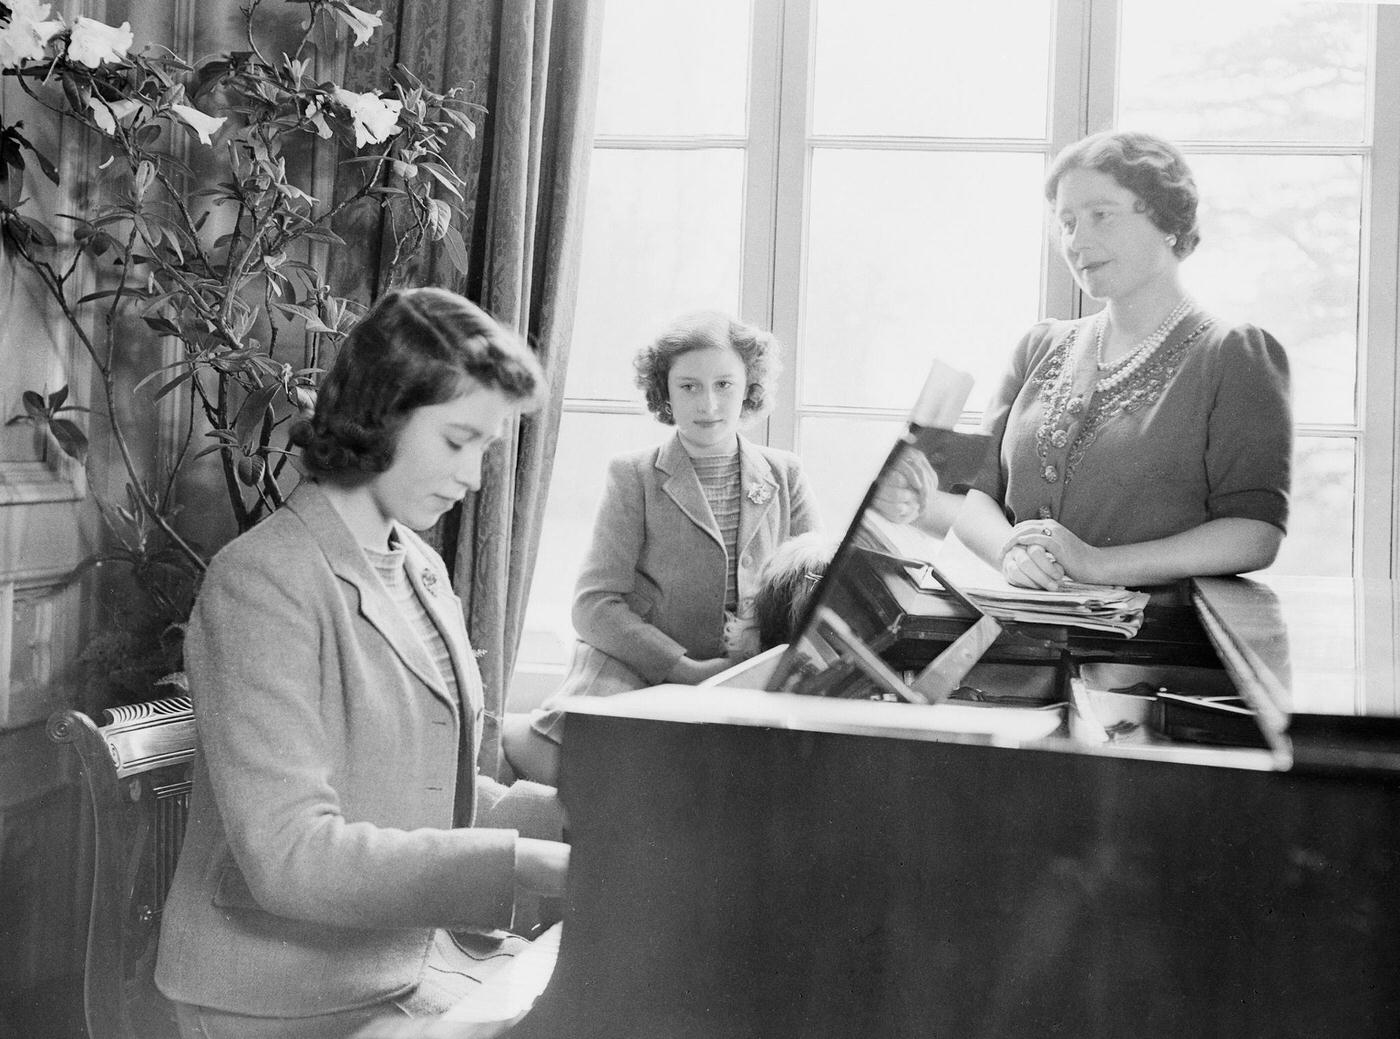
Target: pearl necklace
{"x": 1123, "y": 369}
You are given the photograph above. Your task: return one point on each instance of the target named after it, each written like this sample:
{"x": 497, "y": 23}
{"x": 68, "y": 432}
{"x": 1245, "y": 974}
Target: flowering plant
{"x": 209, "y": 227}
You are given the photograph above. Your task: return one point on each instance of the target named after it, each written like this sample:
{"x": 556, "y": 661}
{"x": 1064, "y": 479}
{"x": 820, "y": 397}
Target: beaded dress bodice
{"x": 1075, "y": 404}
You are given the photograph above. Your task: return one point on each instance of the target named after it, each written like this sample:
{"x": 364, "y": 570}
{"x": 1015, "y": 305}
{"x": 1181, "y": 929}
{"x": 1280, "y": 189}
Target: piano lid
{"x": 1321, "y": 645}
{"x": 1323, "y": 651}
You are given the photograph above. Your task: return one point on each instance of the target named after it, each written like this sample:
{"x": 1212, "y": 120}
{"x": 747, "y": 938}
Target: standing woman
{"x": 1151, "y": 441}
{"x": 338, "y": 827}
{"x": 667, "y": 590}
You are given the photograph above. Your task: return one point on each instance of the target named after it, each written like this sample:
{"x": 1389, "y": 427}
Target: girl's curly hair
{"x": 708, "y": 329}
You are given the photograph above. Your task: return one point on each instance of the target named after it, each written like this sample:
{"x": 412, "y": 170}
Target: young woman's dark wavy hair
{"x": 1151, "y": 168}
{"x": 700, "y": 331}
{"x": 414, "y": 348}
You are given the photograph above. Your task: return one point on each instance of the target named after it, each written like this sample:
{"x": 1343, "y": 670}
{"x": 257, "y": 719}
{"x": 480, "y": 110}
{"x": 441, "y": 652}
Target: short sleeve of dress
{"x": 991, "y": 479}
{"x": 1250, "y": 447}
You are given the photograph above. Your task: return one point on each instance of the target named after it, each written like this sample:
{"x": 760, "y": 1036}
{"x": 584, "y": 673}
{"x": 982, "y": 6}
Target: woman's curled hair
{"x": 412, "y": 349}
{"x": 1151, "y": 168}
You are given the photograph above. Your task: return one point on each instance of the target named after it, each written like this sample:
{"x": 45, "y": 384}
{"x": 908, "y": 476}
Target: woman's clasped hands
{"x": 1044, "y": 554}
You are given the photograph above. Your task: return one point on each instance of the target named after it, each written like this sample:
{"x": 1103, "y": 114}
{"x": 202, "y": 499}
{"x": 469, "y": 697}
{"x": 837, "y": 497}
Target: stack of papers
{"x": 1098, "y": 607}
{"x": 1094, "y": 606}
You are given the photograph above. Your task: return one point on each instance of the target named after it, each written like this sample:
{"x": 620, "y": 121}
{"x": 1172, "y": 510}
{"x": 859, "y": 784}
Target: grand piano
{"x": 1191, "y": 832}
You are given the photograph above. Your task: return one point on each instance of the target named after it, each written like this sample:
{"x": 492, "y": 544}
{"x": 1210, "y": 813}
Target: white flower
{"x": 204, "y": 125}
{"x": 376, "y": 119}
{"x": 93, "y": 43}
{"x": 28, "y": 32}
{"x": 317, "y": 119}
{"x": 107, "y": 114}
{"x": 361, "y": 23}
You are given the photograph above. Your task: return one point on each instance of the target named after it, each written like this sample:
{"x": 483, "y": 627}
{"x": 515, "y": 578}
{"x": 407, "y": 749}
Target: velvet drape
{"x": 533, "y": 65}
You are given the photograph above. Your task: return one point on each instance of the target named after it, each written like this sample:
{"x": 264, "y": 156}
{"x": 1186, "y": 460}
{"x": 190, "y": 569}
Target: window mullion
{"x": 790, "y": 209}
{"x": 1378, "y": 498}
{"x": 761, "y": 178}
{"x": 1071, "y": 81}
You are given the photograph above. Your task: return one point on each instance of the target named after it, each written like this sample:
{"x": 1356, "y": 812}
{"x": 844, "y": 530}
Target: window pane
{"x": 1280, "y": 247}
{"x": 1248, "y": 70}
{"x": 586, "y": 442}
{"x": 840, "y": 457}
{"x": 911, "y": 67}
{"x": 1320, "y": 526}
{"x": 670, "y": 68}
{"x": 661, "y": 237}
{"x": 914, "y": 256}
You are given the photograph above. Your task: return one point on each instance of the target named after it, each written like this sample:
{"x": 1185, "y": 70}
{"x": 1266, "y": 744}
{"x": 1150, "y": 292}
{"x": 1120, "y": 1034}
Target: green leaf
{"x": 323, "y": 234}
{"x": 449, "y": 180}
{"x": 250, "y": 469}
{"x": 463, "y": 123}
{"x": 250, "y": 416}
{"x": 456, "y": 249}
{"x": 293, "y": 310}
{"x": 157, "y": 373}
{"x": 173, "y": 384}
{"x": 70, "y": 438}
{"x": 76, "y": 91}
{"x": 57, "y": 397}
{"x": 37, "y": 231}
{"x": 162, "y": 326}
{"x": 10, "y": 143}
{"x": 92, "y": 296}
{"x": 34, "y": 404}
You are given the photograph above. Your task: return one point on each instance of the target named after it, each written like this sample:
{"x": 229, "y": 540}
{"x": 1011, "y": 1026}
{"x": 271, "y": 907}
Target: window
{"x": 863, "y": 176}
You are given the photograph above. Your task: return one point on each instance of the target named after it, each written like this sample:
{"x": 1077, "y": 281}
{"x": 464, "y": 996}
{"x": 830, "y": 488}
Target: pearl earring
{"x": 1171, "y": 240}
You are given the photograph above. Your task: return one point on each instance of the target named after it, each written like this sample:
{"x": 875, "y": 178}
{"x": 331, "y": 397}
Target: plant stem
{"x": 107, "y": 379}
{"x": 235, "y": 492}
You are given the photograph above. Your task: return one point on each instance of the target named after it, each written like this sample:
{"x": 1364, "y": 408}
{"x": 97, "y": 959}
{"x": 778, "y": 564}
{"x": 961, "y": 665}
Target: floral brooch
{"x": 760, "y": 493}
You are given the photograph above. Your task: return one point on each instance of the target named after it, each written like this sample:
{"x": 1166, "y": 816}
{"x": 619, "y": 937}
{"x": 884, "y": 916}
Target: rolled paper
{"x": 941, "y": 401}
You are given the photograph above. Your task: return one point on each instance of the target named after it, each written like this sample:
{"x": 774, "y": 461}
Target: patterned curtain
{"x": 533, "y": 65}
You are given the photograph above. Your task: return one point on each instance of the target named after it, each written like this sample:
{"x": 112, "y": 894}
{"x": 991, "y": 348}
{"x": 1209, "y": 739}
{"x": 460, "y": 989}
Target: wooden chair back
{"x": 136, "y": 771}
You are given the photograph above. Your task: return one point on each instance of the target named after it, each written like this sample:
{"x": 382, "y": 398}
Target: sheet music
{"x": 1096, "y": 607}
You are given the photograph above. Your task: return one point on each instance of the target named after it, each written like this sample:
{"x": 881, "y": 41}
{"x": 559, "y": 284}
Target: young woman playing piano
{"x": 338, "y": 828}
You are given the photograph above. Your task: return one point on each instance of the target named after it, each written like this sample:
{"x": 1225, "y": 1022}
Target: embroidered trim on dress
{"x": 1139, "y": 391}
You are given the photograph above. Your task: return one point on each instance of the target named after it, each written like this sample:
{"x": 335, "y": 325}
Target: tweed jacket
{"x": 331, "y": 825}
{"x": 652, "y": 586}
